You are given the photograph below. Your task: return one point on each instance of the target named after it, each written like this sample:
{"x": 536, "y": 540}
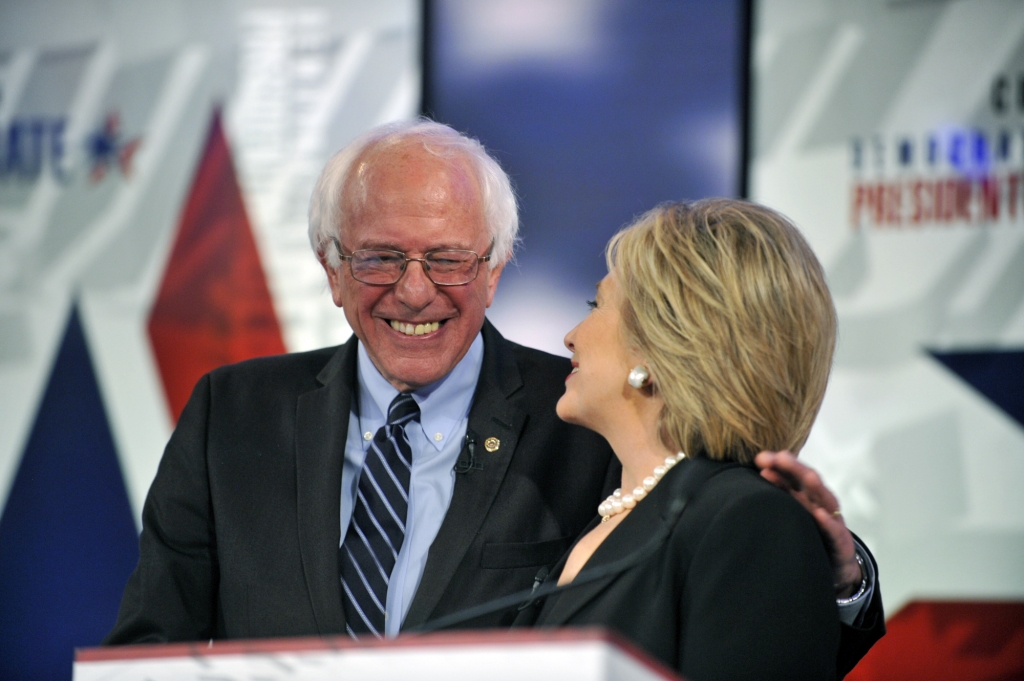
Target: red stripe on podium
{"x": 947, "y": 640}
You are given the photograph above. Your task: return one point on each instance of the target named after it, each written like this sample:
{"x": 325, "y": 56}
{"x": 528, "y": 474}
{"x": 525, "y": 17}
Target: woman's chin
{"x": 565, "y": 411}
{"x": 568, "y": 412}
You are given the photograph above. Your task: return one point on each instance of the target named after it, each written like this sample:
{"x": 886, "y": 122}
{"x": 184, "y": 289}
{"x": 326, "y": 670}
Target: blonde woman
{"x": 710, "y": 340}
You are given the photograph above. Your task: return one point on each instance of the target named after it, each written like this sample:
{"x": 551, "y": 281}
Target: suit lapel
{"x": 633, "y": 534}
{"x": 321, "y": 425}
{"x": 493, "y": 415}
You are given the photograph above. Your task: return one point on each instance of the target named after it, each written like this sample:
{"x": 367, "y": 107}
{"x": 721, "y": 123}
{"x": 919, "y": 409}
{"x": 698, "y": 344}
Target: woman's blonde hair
{"x": 729, "y": 307}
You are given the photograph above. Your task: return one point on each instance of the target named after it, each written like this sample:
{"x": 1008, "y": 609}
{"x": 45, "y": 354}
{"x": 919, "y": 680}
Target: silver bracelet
{"x": 863, "y": 585}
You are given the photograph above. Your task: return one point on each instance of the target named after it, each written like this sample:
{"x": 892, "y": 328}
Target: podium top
{"x": 537, "y": 654}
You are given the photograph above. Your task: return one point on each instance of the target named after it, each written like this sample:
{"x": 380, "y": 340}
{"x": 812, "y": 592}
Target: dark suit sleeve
{"x": 171, "y": 596}
{"x": 857, "y": 640}
{"x": 758, "y": 601}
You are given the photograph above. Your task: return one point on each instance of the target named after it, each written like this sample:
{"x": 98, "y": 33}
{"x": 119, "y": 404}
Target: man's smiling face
{"x": 415, "y": 202}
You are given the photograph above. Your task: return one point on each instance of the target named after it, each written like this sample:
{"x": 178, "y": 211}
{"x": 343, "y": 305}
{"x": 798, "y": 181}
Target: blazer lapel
{"x": 321, "y": 424}
{"x": 639, "y": 528}
{"x": 493, "y": 415}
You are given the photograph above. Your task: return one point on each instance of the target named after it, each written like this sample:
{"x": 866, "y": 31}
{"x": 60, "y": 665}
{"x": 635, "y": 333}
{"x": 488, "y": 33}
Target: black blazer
{"x": 736, "y": 586}
{"x": 241, "y": 526}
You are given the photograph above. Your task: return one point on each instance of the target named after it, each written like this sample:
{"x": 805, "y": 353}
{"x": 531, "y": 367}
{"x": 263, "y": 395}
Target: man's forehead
{"x": 407, "y": 182}
{"x": 408, "y": 167}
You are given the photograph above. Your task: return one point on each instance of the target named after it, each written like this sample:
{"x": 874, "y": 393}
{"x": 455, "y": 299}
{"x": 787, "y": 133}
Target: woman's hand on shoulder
{"x": 805, "y": 485}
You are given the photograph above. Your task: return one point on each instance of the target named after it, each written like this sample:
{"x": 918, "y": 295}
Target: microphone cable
{"x": 523, "y": 599}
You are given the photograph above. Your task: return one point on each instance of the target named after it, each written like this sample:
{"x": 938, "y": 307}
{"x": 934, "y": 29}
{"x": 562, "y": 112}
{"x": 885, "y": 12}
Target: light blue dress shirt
{"x": 436, "y": 442}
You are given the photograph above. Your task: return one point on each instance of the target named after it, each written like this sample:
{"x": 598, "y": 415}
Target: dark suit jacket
{"x": 241, "y": 525}
{"x": 737, "y": 586}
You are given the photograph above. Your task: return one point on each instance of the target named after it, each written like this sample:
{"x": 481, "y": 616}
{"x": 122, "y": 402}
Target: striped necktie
{"x": 377, "y": 530}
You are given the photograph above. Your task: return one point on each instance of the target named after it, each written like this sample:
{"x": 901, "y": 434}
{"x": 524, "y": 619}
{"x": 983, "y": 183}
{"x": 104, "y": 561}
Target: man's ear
{"x": 493, "y": 275}
{"x": 335, "y": 278}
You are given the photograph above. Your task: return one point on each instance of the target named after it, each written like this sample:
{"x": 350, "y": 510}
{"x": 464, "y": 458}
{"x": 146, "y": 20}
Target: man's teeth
{"x": 574, "y": 370}
{"x": 414, "y": 329}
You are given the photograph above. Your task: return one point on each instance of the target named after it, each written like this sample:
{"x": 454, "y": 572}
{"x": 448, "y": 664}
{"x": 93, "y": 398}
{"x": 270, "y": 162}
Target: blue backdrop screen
{"x": 599, "y": 110}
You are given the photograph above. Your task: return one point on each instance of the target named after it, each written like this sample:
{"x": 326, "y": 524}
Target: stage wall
{"x": 893, "y": 134}
{"x": 156, "y": 161}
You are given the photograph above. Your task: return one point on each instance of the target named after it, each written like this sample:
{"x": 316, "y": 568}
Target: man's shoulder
{"x": 529, "y": 359}
{"x": 294, "y": 370}
{"x": 542, "y": 373}
{"x": 532, "y": 359}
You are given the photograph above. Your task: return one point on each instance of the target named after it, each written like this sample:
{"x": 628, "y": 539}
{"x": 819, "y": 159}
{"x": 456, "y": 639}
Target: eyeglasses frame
{"x": 405, "y": 265}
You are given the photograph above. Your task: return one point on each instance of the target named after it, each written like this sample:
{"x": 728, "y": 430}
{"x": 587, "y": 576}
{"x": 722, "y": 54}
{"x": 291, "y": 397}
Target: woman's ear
{"x": 639, "y": 377}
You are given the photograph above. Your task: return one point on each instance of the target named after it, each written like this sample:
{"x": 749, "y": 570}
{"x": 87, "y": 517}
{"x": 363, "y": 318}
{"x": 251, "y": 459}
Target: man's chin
{"x": 413, "y": 373}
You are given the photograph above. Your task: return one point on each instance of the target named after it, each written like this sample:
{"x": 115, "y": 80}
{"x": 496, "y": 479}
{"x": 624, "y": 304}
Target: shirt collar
{"x": 443, "y": 404}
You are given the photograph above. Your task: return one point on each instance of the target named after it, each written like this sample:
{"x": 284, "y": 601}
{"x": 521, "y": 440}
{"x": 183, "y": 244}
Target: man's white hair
{"x": 328, "y": 215}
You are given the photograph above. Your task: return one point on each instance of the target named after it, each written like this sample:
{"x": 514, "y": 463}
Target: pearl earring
{"x": 639, "y": 376}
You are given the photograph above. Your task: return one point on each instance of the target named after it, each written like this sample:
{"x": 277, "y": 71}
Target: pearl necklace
{"x": 618, "y": 503}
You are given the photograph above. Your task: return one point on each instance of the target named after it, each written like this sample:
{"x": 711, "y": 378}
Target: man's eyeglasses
{"x": 380, "y": 267}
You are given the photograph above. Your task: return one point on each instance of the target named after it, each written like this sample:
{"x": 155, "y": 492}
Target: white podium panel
{"x": 537, "y": 655}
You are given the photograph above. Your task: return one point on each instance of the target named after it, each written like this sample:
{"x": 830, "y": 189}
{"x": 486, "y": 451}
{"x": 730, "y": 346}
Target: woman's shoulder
{"x": 752, "y": 574}
{"x": 739, "y": 495}
{"x": 741, "y": 528}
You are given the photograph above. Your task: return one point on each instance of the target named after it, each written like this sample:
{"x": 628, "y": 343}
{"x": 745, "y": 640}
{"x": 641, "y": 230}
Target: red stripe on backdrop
{"x": 214, "y": 306}
{"x": 940, "y": 641}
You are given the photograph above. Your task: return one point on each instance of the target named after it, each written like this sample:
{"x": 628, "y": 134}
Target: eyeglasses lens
{"x": 446, "y": 268}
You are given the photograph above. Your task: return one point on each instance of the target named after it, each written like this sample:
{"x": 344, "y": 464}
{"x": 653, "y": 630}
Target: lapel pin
{"x": 491, "y": 444}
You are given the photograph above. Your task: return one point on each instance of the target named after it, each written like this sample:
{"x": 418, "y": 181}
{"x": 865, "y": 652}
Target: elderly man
{"x": 417, "y": 470}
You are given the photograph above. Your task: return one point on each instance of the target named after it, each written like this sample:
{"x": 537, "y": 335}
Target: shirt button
{"x": 438, "y": 437}
{"x": 367, "y": 436}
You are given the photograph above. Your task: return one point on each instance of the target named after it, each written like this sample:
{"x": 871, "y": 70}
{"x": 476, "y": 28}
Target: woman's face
{"x": 596, "y": 390}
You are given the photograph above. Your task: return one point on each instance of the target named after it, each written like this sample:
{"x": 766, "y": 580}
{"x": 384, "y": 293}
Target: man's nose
{"x": 415, "y": 289}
